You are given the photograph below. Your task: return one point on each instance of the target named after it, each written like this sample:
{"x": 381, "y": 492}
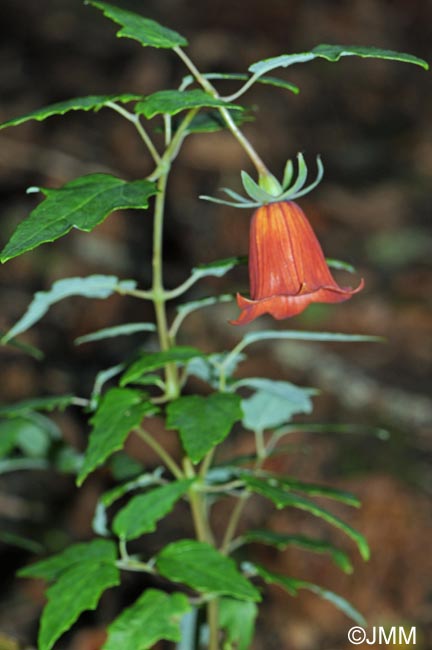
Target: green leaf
{"x": 273, "y": 402}
{"x": 98, "y": 550}
{"x": 154, "y": 616}
{"x": 237, "y": 619}
{"x": 187, "y": 308}
{"x": 100, "y": 518}
{"x": 37, "y": 404}
{"x": 333, "y": 53}
{"x": 143, "y": 512}
{"x": 78, "y": 589}
{"x": 90, "y": 103}
{"x": 203, "y": 422}
{"x": 82, "y": 203}
{"x": 23, "y": 347}
{"x": 20, "y": 464}
{"x": 149, "y": 361}
{"x": 145, "y": 31}
{"x": 171, "y": 102}
{"x": 282, "y": 541}
{"x": 19, "y": 541}
{"x": 282, "y": 499}
{"x": 200, "y": 566}
{"x": 293, "y": 335}
{"x": 212, "y": 121}
{"x": 292, "y": 585}
{"x": 234, "y": 76}
{"x": 218, "y": 268}
{"x": 117, "y": 330}
{"x": 93, "y": 286}
{"x": 208, "y": 368}
{"x": 120, "y": 411}
{"x": 29, "y": 432}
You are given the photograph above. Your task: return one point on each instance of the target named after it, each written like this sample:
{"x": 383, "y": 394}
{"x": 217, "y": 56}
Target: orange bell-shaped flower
{"x": 287, "y": 268}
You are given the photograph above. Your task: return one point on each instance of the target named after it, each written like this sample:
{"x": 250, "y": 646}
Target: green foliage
{"x": 90, "y": 103}
{"x": 203, "y": 422}
{"x": 93, "y": 286}
{"x": 149, "y": 361}
{"x": 78, "y": 589}
{"x": 293, "y": 585}
{"x": 237, "y": 619}
{"x": 218, "y": 268}
{"x": 120, "y": 411}
{"x": 238, "y": 76}
{"x": 283, "y": 498}
{"x": 171, "y": 102}
{"x": 82, "y": 203}
{"x": 37, "y": 404}
{"x": 99, "y": 550}
{"x": 282, "y": 541}
{"x": 333, "y": 53}
{"x": 145, "y": 31}
{"x": 273, "y": 403}
{"x": 118, "y": 330}
{"x": 154, "y": 616}
{"x": 143, "y": 512}
{"x": 200, "y": 566}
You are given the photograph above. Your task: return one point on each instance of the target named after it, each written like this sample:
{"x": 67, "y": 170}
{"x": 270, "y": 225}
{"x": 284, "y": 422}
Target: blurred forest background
{"x": 371, "y": 123}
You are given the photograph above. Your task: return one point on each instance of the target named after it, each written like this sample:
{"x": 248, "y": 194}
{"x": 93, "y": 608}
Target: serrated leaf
{"x": 200, "y": 566}
{"x": 100, "y": 518}
{"x": 293, "y": 585}
{"x": 154, "y": 616}
{"x": 171, "y": 102}
{"x": 203, "y": 422}
{"x": 82, "y": 203}
{"x": 273, "y": 403}
{"x": 145, "y": 31}
{"x": 149, "y": 361}
{"x": 282, "y": 541}
{"x": 237, "y": 619}
{"x": 333, "y": 53}
{"x": 282, "y": 499}
{"x": 143, "y": 511}
{"x": 90, "y": 103}
{"x": 37, "y": 404}
{"x": 98, "y": 550}
{"x": 120, "y": 411}
{"x": 78, "y": 589}
{"x": 93, "y": 286}
{"x": 118, "y": 330}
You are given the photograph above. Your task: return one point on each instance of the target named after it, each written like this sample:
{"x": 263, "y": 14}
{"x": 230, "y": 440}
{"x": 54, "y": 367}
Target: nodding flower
{"x": 287, "y": 267}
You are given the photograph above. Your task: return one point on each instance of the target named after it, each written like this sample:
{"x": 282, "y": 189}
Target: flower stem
{"x": 161, "y": 452}
{"x": 237, "y": 133}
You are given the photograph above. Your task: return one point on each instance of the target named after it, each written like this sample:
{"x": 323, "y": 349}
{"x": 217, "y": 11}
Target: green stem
{"x": 233, "y": 522}
{"x": 132, "y": 117}
{"x": 161, "y": 452}
{"x": 239, "y": 136}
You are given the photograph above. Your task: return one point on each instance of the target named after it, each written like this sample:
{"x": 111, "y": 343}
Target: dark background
{"x": 370, "y": 121}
